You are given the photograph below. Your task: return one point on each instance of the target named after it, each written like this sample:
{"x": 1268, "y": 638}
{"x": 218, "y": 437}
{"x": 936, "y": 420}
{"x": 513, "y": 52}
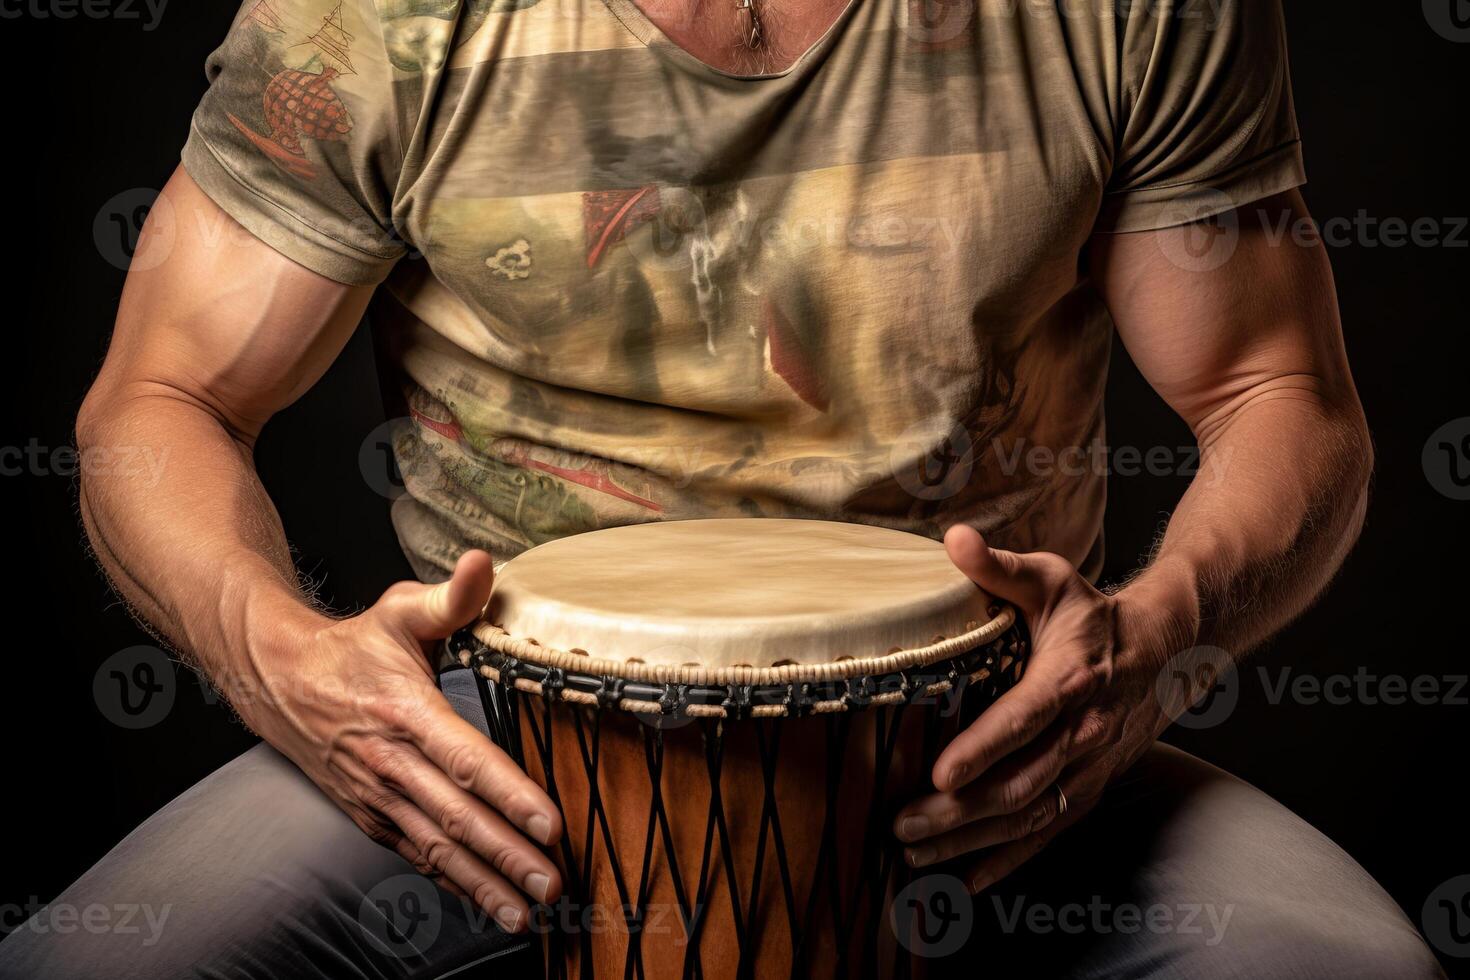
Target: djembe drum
{"x": 729, "y": 713}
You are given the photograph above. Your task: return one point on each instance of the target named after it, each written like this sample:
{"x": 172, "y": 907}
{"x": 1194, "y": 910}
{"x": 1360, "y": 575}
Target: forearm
{"x": 1278, "y": 502}
{"x": 194, "y": 546}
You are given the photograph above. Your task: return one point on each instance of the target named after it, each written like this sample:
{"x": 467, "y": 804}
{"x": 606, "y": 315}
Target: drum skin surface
{"x": 722, "y": 593}
{"x": 710, "y": 833}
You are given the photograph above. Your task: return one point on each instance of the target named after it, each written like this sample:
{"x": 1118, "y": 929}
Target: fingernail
{"x": 958, "y": 775}
{"x": 540, "y": 828}
{"x": 920, "y": 856}
{"x": 914, "y": 828}
{"x": 979, "y": 883}
{"x": 508, "y": 918}
{"x": 537, "y": 885}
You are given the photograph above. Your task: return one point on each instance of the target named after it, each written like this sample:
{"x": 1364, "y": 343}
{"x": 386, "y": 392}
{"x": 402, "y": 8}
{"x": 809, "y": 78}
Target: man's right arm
{"x": 216, "y": 332}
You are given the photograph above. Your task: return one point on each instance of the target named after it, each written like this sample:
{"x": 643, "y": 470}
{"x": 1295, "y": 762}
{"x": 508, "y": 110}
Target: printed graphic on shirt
{"x": 299, "y": 103}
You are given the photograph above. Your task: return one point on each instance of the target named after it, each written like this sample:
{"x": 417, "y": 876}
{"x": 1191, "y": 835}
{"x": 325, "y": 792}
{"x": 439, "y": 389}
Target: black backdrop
{"x": 97, "y": 107}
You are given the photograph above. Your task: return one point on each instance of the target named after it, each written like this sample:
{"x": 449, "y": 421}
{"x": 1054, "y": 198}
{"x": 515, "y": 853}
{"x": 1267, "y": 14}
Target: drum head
{"x": 738, "y": 601}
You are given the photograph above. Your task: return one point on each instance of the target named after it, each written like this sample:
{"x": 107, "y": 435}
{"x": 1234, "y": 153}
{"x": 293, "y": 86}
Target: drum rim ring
{"x": 530, "y": 650}
{"x": 902, "y": 677}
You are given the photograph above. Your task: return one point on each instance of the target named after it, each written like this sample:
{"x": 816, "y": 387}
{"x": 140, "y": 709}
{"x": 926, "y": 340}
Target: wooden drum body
{"x": 729, "y": 713}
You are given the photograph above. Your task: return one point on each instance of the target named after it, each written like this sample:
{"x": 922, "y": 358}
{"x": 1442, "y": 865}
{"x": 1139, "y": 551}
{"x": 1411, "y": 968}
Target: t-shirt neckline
{"x": 654, "y": 38}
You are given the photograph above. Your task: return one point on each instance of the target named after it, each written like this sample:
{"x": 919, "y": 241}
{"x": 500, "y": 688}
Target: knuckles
{"x": 438, "y": 852}
{"x": 1091, "y": 732}
{"x": 486, "y": 895}
{"x": 464, "y": 764}
{"x": 1014, "y": 794}
{"x": 455, "y": 819}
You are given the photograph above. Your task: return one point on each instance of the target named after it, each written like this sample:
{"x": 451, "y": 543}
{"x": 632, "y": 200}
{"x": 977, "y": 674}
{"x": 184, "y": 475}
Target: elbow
{"x": 91, "y": 420}
{"x": 1362, "y": 457}
{"x": 1356, "y": 474}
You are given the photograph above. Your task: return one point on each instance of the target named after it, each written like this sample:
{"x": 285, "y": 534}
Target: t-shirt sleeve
{"x": 299, "y": 138}
{"x": 1206, "y": 120}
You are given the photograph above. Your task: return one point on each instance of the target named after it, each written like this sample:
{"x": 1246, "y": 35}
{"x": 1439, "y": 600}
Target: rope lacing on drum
{"x": 878, "y": 869}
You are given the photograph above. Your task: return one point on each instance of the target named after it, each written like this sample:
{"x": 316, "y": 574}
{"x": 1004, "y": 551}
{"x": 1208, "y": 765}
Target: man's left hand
{"x": 1084, "y": 711}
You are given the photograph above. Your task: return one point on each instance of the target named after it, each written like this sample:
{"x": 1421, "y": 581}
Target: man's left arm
{"x": 1250, "y": 353}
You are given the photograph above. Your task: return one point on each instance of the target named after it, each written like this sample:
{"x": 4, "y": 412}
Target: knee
{"x": 1317, "y": 946}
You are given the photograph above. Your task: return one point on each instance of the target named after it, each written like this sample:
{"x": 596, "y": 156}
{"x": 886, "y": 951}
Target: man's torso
{"x": 653, "y": 290}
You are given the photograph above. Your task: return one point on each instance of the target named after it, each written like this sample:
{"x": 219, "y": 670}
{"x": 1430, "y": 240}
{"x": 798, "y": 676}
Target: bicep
{"x": 1214, "y": 323}
{"x": 215, "y": 316}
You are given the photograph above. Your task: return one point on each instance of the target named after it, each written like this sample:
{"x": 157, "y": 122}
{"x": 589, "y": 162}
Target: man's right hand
{"x": 354, "y": 704}
{"x": 216, "y": 333}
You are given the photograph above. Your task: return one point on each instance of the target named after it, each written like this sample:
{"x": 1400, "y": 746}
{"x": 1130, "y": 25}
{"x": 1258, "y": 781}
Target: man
{"x": 676, "y": 259}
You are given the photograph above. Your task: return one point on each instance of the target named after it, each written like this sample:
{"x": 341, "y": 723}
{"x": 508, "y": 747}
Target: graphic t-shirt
{"x": 620, "y": 285}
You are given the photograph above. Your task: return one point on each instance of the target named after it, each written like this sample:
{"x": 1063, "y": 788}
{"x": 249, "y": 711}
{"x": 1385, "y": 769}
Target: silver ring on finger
{"x": 1061, "y": 799}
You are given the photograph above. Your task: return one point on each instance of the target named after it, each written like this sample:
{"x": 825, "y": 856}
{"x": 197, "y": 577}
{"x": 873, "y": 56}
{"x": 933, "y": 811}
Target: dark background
{"x": 102, "y": 110}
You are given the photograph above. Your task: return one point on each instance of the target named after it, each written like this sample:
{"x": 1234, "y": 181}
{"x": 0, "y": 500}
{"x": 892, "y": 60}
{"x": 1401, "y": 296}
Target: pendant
{"x": 752, "y": 33}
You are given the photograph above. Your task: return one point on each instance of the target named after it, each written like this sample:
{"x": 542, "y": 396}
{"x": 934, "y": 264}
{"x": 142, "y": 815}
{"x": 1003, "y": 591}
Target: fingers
{"x": 1082, "y": 790}
{"x": 432, "y": 612}
{"x": 1008, "y": 792}
{"x": 988, "y": 832}
{"x": 1026, "y": 581}
{"x": 410, "y": 853}
{"x": 474, "y": 764}
{"x": 465, "y": 820}
{"x": 439, "y": 855}
{"x": 1016, "y": 719}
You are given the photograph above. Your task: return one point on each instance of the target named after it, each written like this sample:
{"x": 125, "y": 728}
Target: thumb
{"x": 432, "y": 612}
{"x": 1016, "y": 578}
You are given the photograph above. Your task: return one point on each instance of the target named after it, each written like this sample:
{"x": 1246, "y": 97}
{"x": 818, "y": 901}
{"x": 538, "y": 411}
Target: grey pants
{"x": 1182, "y": 872}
